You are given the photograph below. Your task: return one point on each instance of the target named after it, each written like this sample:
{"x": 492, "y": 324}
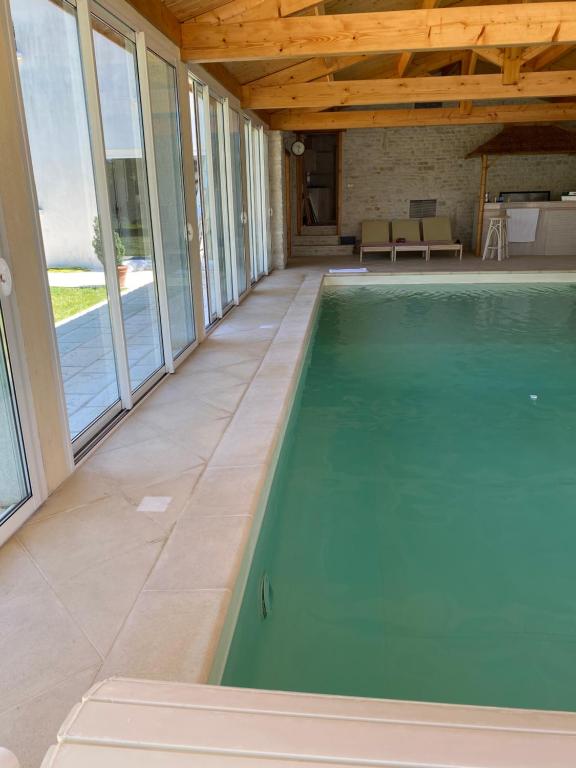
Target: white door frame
{"x": 18, "y": 372}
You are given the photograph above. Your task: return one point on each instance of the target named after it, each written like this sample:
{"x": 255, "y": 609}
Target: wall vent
{"x": 422, "y": 209}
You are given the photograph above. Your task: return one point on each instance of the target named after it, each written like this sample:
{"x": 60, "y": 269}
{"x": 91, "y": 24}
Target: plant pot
{"x": 122, "y": 270}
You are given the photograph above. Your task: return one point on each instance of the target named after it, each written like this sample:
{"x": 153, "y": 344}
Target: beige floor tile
{"x": 130, "y": 432}
{"x": 201, "y": 438}
{"x": 192, "y": 410}
{"x": 233, "y": 487}
{"x": 175, "y": 493}
{"x": 31, "y": 728}
{"x": 188, "y": 383}
{"x": 83, "y": 487}
{"x": 40, "y": 646}
{"x": 245, "y": 444}
{"x": 212, "y": 359}
{"x": 151, "y": 461}
{"x": 100, "y": 598}
{"x": 19, "y": 576}
{"x": 271, "y": 369}
{"x": 169, "y": 636}
{"x": 244, "y": 371}
{"x": 227, "y": 399}
{"x": 202, "y": 553}
{"x": 68, "y": 544}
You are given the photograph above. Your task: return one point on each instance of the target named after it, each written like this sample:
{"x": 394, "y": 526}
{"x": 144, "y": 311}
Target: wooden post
{"x": 480, "y": 222}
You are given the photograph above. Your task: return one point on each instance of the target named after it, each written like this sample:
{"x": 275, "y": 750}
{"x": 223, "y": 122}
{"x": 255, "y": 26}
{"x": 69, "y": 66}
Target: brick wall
{"x": 385, "y": 168}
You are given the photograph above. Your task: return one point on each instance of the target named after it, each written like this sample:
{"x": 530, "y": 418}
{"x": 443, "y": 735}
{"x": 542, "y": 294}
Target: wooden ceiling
{"x": 358, "y": 63}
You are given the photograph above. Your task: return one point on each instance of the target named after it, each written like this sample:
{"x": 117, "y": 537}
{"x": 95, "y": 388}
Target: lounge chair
{"x": 406, "y": 237}
{"x": 376, "y": 238}
{"x": 437, "y": 233}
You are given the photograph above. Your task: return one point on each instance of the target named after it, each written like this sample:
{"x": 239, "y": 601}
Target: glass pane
{"x": 217, "y": 139}
{"x": 267, "y": 222}
{"x": 14, "y": 484}
{"x": 249, "y": 162}
{"x": 167, "y": 148}
{"x": 260, "y": 203}
{"x": 202, "y": 202}
{"x": 239, "y": 200}
{"x": 129, "y": 203}
{"x": 54, "y": 101}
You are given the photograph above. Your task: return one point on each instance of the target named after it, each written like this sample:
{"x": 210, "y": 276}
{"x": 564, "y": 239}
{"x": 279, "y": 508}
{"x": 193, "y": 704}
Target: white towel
{"x": 522, "y": 224}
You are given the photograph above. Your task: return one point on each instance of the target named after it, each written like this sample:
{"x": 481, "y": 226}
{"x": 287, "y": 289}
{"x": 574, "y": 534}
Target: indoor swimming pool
{"x": 419, "y": 540}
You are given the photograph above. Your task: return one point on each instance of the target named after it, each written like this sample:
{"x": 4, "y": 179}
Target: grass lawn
{"x": 70, "y": 301}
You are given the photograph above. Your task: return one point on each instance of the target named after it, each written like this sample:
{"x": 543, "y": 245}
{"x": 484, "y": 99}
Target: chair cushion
{"x": 437, "y": 228}
{"x": 375, "y": 232}
{"x": 407, "y": 229}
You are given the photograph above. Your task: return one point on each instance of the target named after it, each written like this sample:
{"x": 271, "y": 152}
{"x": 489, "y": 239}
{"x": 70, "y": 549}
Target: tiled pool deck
{"x": 128, "y": 568}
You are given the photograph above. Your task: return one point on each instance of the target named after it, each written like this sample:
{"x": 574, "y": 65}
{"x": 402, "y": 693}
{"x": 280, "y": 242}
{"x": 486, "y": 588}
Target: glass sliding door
{"x": 52, "y": 85}
{"x": 198, "y": 111}
{"x": 168, "y": 159}
{"x": 117, "y": 72}
{"x": 254, "y": 210}
{"x": 221, "y": 242}
{"x": 259, "y": 204}
{"x": 239, "y": 200}
{"x": 267, "y": 209}
{"x": 15, "y": 487}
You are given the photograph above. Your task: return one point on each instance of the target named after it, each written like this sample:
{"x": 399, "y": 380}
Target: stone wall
{"x": 385, "y": 168}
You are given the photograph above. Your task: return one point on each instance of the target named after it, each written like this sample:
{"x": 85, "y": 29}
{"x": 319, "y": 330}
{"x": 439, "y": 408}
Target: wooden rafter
{"x": 547, "y": 56}
{"x": 406, "y": 56}
{"x": 389, "y": 118}
{"x": 308, "y": 70}
{"x": 408, "y": 90}
{"x": 499, "y": 26}
{"x": 254, "y": 10}
{"x": 468, "y": 68}
{"x": 161, "y": 17}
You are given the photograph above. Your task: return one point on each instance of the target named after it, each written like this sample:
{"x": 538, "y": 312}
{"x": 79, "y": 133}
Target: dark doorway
{"x": 318, "y": 180}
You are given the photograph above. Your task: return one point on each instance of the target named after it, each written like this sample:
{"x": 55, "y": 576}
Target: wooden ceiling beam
{"x": 491, "y": 55}
{"x": 406, "y": 56}
{"x": 468, "y": 68}
{"x": 254, "y": 10}
{"x": 407, "y": 90}
{"x": 391, "y": 118}
{"x": 511, "y": 66}
{"x": 161, "y": 17}
{"x": 311, "y": 69}
{"x": 547, "y": 57}
{"x": 492, "y": 26}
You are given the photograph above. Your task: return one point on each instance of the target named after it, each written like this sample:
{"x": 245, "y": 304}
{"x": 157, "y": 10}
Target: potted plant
{"x": 119, "y": 252}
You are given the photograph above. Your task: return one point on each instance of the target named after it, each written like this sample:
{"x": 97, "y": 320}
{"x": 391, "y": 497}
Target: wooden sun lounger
{"x": 376, "y": 238}
{"x": 406, "y": 237}
{"x": 437, "y": 234}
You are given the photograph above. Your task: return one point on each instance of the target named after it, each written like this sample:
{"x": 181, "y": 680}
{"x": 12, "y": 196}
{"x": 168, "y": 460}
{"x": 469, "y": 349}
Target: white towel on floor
{"x": 522, "y": 224}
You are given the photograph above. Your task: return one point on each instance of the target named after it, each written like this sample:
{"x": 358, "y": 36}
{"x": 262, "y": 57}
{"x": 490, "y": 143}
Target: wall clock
{"x": 298, "y": 148}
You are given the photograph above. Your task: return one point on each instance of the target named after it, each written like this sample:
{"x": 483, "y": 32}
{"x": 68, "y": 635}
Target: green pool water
{"x": 420, "y": 536}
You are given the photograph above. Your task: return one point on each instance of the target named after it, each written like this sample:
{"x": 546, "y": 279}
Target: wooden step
{"x": 332, "y": 230}
{"x": 316, "y": 240}
{"x": 304, "y": 251}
